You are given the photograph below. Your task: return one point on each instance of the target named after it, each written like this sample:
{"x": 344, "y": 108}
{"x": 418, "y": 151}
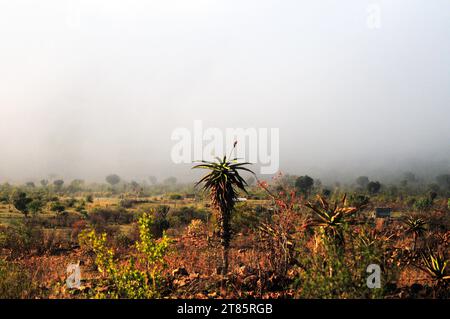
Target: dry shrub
{"x": 279, "y": 235}
{"x": 196, "y": 228}
{"x": 77, "y": 228}
{"x": 15, "y": 282}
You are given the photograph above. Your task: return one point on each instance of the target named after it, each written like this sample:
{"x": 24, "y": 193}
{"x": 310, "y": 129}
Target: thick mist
{"x": 89, "y": 88}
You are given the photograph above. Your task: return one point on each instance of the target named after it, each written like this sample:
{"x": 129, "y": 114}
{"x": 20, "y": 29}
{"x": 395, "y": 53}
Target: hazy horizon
{"x": 89, "y": 88}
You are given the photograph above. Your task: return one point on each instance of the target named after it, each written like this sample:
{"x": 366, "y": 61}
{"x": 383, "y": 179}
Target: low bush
{"x": 357, "y": 200}
{"x": 423, "y": 204}
{"x": 247, "y": 217}
{"x": 15, "y": 282}
{"x": 196, "y": 228}
{"x": 22, "y": 238}
{"x": 183, "y": 216}
{"x": 128, "y": 280}
{"x": 160, "y": 221}
{"x": 62, "y": 220}
{"x": 175, "y": 196}
{"x": 104, "y": 216}
{"x": 129, "y": 203}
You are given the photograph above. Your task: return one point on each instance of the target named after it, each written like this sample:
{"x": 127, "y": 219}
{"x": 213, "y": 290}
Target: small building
{"x": 383, "y": 212}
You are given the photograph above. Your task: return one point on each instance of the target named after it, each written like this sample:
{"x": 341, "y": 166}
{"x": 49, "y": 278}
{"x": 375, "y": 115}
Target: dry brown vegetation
{"x": 281, "y": 247}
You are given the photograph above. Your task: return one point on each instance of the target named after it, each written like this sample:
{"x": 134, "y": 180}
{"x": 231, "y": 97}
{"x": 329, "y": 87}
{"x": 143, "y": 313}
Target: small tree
{"x": 304, "y": 184}
{"x": 20, "y": 201}
{"x": 57, "y": 207}
{"x": 90, "y": 198}
{"x": 35, "y": 206}
{"x": 113, "y": 179}
{"x": 374, "y": 187}
{"x": 444, "y": 181}
{"x": 362, "y": 181}
{"x": 136, "y": 188}
{"x": 58, "y": 184}
{"x": 76, "y": 185}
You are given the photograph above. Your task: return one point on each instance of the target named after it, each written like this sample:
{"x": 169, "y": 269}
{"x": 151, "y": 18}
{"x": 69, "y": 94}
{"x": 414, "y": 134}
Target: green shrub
{"x": 80, "y": 206}
{"x": 160, "y": 221}
{"x": 423, "y": 204}
{"x": 57, "y": 207}
{"x": 127, "y": 280}
{"x": 21, "y": 238}
{"x": 246, "y": 217}
{"x": 20, "y": 200}
{"x": 333, "y": 273}
{"x": 357, "y": 200}
{"x": 126, "y": 203}
{"x": 70, "y": 202}
{"x": 183, "y": 216}
{"x": 103, "y": 216}
{"x": 153, "y": 251}
{"x": 175, "y": 196}
{"x": 129, "y": 203}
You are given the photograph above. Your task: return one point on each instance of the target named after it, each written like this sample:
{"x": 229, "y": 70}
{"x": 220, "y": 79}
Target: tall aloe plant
{"x": 223, "y": 183}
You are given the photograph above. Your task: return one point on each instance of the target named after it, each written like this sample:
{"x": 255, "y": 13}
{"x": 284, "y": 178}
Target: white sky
{"x": 93, "y": 87}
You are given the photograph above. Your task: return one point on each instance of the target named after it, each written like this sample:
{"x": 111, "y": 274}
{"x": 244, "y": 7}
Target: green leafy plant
{"x": 35, "y": 206}
{"x": 57, "y": 207}
{"x": 423, "y": 204}
{"x": 20, "y": 200}
{"x": 373, "y": 187}
{"x": 304, "y": 184}
{"x": 223, "y": 183}
{"x": 358, "y": 200}
{"x": 330, "y": 273}
{"x": 152, "y": 250}
{"x": 127, "y": 280}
